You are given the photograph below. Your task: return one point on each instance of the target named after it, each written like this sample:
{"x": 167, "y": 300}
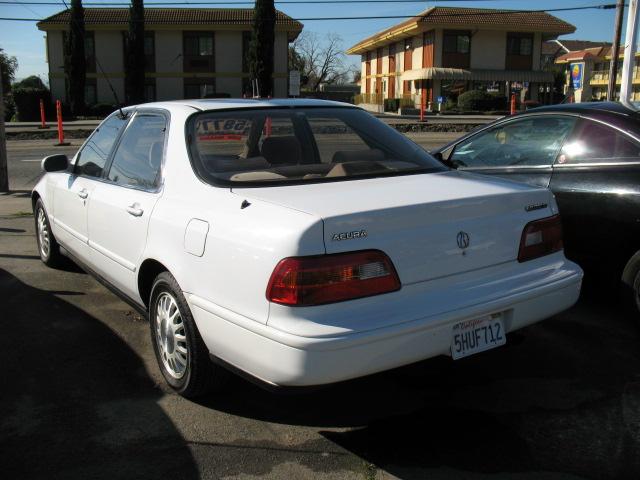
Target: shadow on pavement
{"x": 563, "y": 396}
{"x": 76, "y": 400}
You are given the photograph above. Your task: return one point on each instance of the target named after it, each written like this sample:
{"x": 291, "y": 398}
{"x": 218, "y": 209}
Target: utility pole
{"x": 615, "y": 51}
{"x": 4, "y": 174}
{"x": 630, "y": 39}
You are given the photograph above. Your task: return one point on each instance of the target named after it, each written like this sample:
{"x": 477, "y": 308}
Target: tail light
{"x": 304, "y": 281}
{"x": 540, "y": 238}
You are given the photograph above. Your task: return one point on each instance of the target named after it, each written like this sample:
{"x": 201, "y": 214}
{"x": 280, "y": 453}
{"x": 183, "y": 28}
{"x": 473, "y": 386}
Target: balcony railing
{"x": 602, "y": 76}
{"x": 370, "y": 98}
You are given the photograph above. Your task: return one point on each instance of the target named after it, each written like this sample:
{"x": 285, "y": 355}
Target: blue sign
{"x": 576, "y": 70}
{"x": 442, "y": 99}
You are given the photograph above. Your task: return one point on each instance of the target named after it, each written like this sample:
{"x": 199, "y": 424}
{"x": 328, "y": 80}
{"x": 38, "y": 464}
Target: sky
{"x": 24, "y": 41}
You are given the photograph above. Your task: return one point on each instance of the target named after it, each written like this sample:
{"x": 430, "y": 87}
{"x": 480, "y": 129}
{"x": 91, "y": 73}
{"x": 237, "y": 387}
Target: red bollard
{"x": 61, "y": 141}
{"x": 267, "y": 127}
{"x": 422, "y": 106}
{"x": 513, "y": 104}
{"x": 43, "y": 119}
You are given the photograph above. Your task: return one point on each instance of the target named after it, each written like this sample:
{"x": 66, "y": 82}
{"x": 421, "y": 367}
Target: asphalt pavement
{"x": 82, "y": 396}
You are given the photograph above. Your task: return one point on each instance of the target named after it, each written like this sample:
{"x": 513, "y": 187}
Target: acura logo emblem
{"x": 463, "y": 239}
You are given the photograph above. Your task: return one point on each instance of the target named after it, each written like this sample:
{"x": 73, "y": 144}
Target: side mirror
{"x": 438, "y": 156}
{"x": 55, "y": 163}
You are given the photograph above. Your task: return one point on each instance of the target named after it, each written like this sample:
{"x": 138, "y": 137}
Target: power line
{"x": 606, "y": 6}
{"x": 298, "y": 2}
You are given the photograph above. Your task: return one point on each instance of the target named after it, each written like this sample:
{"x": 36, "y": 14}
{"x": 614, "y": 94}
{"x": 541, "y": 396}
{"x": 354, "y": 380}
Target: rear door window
{"x": 138, "y": 159}
{"x": 594, "y": 142}
{"x": 531, "y": 141}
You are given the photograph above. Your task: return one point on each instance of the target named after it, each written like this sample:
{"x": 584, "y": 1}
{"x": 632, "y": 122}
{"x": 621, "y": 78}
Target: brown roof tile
{"x": 480, "y": 18}
{"x": 169, "y": 16}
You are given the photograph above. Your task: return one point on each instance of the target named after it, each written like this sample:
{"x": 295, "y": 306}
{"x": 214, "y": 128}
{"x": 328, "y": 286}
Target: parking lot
{"x": 82, "y": 395}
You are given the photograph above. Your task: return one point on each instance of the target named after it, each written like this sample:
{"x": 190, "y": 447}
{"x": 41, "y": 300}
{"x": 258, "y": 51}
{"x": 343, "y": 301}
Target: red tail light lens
{"x": 540, "y": 237}
{"x": 305, "y": 281}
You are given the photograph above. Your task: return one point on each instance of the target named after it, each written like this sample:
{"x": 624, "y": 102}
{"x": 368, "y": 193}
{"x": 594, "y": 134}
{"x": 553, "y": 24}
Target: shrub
{"x": 100, "y": 110}
{"x": 27, "y": 102}
{"x": 475, "y": 100}
{"x": 391, "y": 104}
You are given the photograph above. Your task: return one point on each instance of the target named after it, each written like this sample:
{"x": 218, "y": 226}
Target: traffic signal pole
{"x": 615, "y": 52}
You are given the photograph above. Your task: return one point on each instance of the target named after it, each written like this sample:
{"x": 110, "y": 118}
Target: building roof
{"x": 168, "y": 18}
{"x": 456, "y": 17}
{"x": 562, "y": 46}
{"x": 597, "y": 53}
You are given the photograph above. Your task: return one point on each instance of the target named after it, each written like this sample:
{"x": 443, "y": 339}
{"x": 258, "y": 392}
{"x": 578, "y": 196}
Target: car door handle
{"x": 83, "y": 193}
{"x": 135, "y": 210}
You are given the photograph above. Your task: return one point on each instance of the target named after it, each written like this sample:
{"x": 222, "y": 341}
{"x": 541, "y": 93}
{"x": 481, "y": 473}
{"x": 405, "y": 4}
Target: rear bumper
{"x": 282, "y": 358}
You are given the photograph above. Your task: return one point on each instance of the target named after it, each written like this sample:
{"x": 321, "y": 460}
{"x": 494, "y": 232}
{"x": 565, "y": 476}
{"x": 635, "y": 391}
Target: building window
{"x": 90, "y": 92}
{"x": 199, "y": 87}
{"x": 90, "y": 51}
{"x": 150, "y": 90}
{"x": 246, "y": 42}
{"x": 198, "y": 52}
{"x": 519, "y": 45}
{"x": 149, "y": 52}
{"x": 456, "y": 42}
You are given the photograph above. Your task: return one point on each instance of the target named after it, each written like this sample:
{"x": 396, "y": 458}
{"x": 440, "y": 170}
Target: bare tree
{"x": 320, "y": 59}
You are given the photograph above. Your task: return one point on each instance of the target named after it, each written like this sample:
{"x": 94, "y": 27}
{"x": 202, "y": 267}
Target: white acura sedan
{"x": 298, "y": 242}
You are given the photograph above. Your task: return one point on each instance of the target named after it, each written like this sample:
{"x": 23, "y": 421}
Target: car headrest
{"x": 155, "y": 155}
{"x": 371, "y": 155}
{"x": 284, "y": 150}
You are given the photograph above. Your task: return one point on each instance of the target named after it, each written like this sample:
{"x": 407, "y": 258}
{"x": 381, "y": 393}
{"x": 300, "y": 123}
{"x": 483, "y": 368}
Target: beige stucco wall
{"x": 229, "y": 59}
{"x": 489, "y": 50}
{"x": 56, "y": 65}
{"x": 110, "y": 53}
{"x": 168, "y": 51}
{"x": 537, "y": 47}
{"x": 280, "y": 65}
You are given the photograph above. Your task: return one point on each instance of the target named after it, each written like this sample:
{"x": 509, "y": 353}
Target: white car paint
{"x": 223, "y": 255}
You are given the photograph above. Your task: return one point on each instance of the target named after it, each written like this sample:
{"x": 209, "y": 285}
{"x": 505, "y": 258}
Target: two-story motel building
{"x": 189, "y": 52}
{"x": 445, "y": 51}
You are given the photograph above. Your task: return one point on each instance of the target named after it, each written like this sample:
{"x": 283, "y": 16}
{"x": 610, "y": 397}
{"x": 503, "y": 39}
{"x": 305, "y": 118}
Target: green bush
{"x": 27, "y": 102}
{"x": 391, "y": 104}
{"x": 475, "y": 100}
{"x": 100, "y": 110}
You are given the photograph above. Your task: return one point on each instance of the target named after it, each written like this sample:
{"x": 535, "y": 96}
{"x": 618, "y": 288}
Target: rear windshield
{"x": 297, "y": 145}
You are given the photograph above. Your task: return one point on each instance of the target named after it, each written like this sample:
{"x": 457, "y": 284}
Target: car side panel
{"x": 600, "y": 210}
{"x": 539, "y": 177}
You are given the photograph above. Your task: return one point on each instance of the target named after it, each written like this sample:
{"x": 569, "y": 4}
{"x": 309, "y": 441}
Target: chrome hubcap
{"x": 171, "y": 336}
{"x": 43, "y": 234}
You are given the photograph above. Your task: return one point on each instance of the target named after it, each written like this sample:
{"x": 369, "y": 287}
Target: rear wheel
{"x": 631, "y": 282}
{"x": 48, "y": 247}
{"x": 182, "y": 355}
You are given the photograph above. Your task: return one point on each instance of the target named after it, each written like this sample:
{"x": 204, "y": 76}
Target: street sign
{"x": 442, "y": 99}
{"x": 294, "y": 83}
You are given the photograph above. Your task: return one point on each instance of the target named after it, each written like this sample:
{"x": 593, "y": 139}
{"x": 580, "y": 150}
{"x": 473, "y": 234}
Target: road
{"x": 82, "y": 397}
{"x": 23, "y": 156}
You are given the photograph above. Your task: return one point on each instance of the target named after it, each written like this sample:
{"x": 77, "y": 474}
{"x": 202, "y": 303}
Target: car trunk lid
{"x": 430, "y": 225}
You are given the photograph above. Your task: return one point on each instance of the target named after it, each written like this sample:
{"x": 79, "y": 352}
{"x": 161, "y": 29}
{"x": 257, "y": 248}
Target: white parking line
{"x": 32, "y": 160}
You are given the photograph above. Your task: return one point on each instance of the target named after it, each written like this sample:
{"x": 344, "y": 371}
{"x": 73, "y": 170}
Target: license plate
{"x": 477, "y": 335}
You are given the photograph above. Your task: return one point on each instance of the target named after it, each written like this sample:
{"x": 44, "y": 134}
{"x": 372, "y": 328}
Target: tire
{"x": 182, "y": 356}
{"x": 48, "y": 247}
{"x": 631, "y": 283}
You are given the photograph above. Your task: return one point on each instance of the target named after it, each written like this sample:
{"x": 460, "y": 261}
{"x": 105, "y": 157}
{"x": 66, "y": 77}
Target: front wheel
{"x": 182, "y": 355}
{"x": 48, "y": 247}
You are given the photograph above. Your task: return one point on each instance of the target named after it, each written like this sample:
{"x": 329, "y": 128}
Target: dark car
{"x": 588, "y": 154}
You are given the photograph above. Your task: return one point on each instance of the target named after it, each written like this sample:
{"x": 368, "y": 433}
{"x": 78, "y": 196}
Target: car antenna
{"x": 104, "y": 75}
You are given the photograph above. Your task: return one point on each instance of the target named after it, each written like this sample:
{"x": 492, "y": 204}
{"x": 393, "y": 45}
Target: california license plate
{"x": 477, "y": 335}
